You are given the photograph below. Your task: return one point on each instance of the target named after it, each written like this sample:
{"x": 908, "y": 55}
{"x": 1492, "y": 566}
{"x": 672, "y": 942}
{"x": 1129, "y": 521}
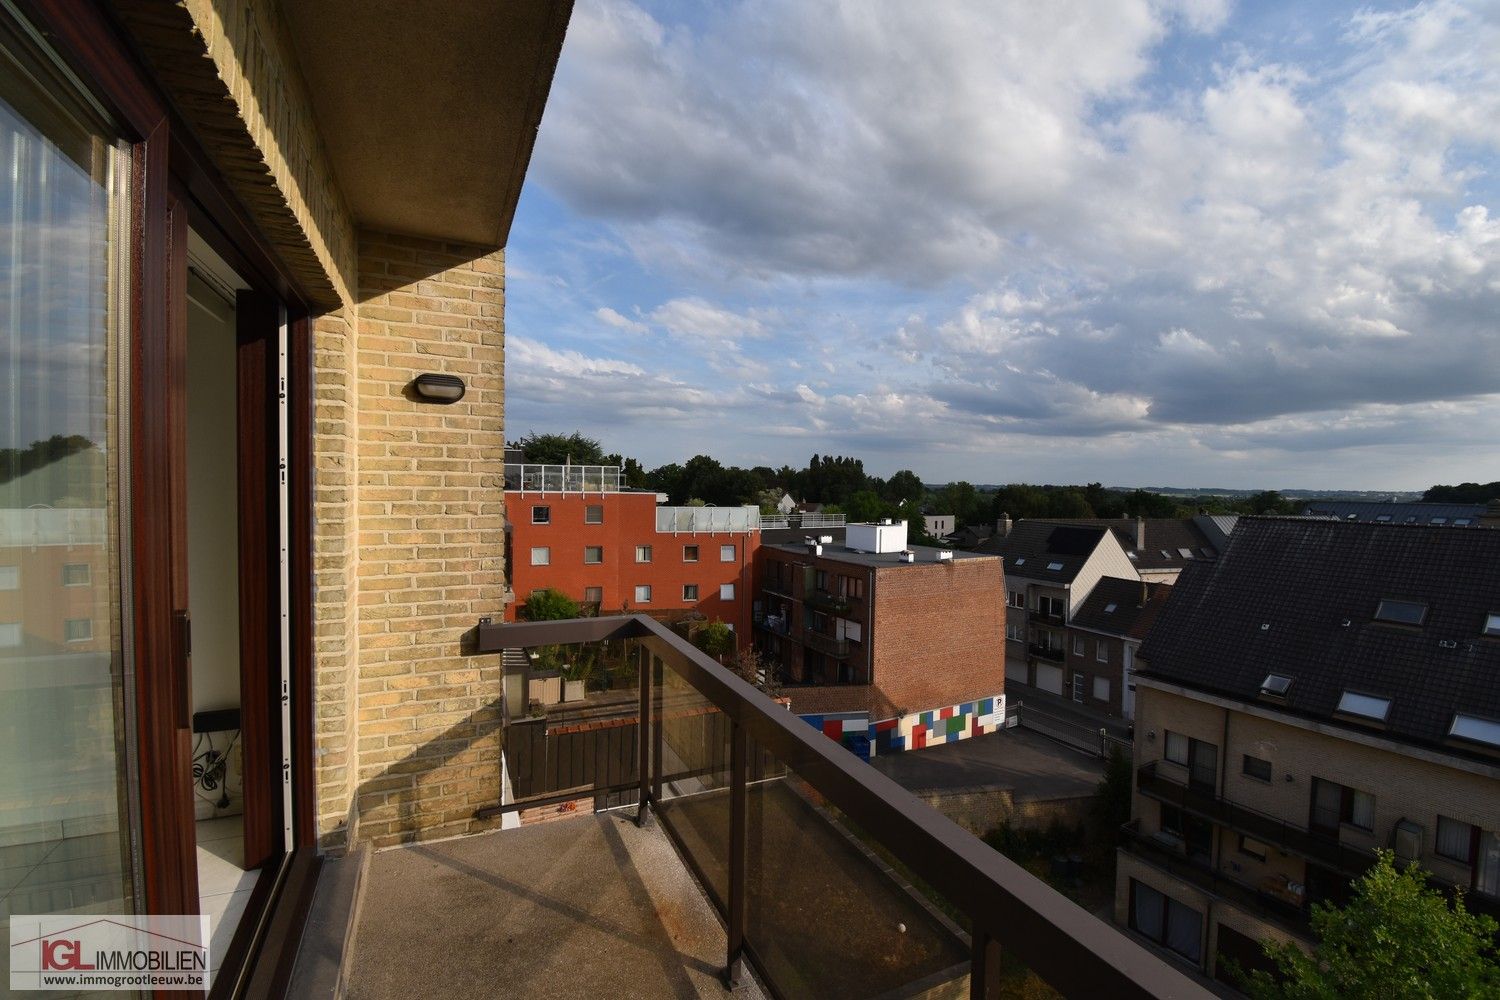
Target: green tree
{"x": 916, "y": 526}
{"x": 549, "y": 606}
{"x": 1071, "y": 503}
{"x": 865, "y": 507}
{"x": 1110, "y": 807}
{"x": 558, "y": 449}
{"x": 715, "y": 638}
{"x": 903, "y": 487}
{"x": 1463, "y": 493}
{"x": 1396, "y": 938}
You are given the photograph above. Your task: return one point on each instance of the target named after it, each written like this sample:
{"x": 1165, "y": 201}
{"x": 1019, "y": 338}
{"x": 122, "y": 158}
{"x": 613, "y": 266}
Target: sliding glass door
{"x": 64, "y": 230}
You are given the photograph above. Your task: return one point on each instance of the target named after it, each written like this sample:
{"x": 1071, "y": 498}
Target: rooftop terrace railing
{"x": 530, "y": 478}
{"x": 806, "y": 521}
{"x": 707, "y": 519}
{"x": 795, "y": 840}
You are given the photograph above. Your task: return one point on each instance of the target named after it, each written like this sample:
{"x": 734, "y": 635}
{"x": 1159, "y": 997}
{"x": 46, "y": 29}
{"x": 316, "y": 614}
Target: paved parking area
{"x": 1031, "y": 765}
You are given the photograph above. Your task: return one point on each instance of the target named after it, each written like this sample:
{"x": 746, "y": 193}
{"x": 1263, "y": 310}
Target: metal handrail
{"x": 1067, "y": 946}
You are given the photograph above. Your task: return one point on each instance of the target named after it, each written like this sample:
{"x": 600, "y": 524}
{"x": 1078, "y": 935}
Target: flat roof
{"x": 926, "y": 554}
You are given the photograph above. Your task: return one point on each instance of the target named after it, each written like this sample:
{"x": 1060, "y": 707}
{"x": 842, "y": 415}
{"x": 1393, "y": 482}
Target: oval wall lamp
{"x": 435, "y": 387}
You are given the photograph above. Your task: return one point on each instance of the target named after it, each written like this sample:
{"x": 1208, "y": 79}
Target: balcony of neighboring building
{"x": 805, "y": 522}
{"x": 746, "y": 848}
{"x": 1322, "y": 851}
{"x": 777, "y": 624}
{"x": 826, "y": 644}
{"x": 1042, "y": 651}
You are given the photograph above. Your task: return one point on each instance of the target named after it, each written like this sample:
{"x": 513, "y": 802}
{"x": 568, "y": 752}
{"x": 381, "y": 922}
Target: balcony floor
{"x": 590, "y": 906}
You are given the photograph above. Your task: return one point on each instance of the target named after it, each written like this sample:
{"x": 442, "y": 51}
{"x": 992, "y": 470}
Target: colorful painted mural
{"x": 931, "y": 728}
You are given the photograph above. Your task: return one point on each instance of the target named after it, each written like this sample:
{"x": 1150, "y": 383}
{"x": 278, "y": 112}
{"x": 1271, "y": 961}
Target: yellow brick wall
{"x": 430, "y": 506}
{"x": 335, "y": 570}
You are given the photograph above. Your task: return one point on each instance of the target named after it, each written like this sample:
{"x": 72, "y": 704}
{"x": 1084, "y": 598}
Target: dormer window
{"x": 1276, "y": 685}
{"x": 1054, "y": 566}
{"x": 1492, "y": 623}
{"x": 1475, "y": 730}
{"x": 1401, "y": 612}
{"x": 1366, "y": 706}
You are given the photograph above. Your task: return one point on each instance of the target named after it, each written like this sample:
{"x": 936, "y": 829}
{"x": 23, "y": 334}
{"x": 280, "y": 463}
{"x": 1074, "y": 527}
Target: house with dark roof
{"x": 1160, "y": 547}
{"x": 1050, "y": 568}
{"x": 1459, "y": 515}
{"x": 1103, "y": 639}
{"x": 1322, "y": 690}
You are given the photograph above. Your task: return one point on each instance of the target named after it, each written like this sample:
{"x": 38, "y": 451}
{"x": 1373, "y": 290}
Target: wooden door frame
{"x": 173, "y": 184}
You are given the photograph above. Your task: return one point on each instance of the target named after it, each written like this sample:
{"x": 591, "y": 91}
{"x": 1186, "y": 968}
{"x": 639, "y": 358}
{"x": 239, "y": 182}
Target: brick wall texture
{"x": 409, "y": 530}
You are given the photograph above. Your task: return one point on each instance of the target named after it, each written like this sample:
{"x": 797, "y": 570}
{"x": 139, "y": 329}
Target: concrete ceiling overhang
{"x": 429, "y": 110}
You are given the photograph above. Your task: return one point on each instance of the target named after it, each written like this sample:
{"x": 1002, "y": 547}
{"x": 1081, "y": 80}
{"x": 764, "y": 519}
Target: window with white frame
{"x": 541, "y": 514}
{"x": 1078, "y": 645}
{"x": 541, "y": 555}
{"x": 726, "y": 591}
{"x": 78, "y": 629}
{"x": 690, "y": 553}
{"x": 727, "y": 553}
{"x": 10, "y": 577}
{"x": 1101, "y": 689}
{"x": 10, "y": 635}
{"x": 593, "y": 554}
{"x": 1101, "y": 651}
{"x": 593, "y": 514}
{"x": 643, "y": 553}
{"x": 75, "y": 575}
{"x": 593, "y": 595}
{"x": 689, "y": 591}
{"x": 643, "y": 593}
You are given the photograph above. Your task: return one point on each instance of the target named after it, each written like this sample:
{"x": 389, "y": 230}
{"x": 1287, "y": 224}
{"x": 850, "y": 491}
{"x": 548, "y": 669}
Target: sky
{"x": 1142, "y": 242}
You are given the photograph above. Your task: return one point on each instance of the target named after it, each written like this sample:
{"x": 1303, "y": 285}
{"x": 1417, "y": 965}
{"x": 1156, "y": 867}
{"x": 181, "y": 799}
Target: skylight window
{"x": 1463, "y": 521}
{"x": 1401, "y": 612}
{"x": 1365, "y": 706}
{"x": 1475, "y": 729}
{"x": 1492, "y": 623}
{"x": 1054, "y": 566}
{"x": 1109, "y": 608}
{"x": 1132, "y": 554}
{"x": 1382, "y": 517}
{"x": 1276, "y": 685}
{"x": 1440, "y": 520}
{"x": 1165, "y": 554}
{"x": 1021, "y": 561}
{"x": 1185, "y": 553}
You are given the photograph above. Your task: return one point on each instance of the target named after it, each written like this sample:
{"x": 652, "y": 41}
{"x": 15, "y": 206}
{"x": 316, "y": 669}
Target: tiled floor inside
{"x": 223, "y": 884}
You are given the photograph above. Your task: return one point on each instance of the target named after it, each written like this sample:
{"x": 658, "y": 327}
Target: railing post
{"x": 984, "y": 966}
{"x": 644, "y": 735}
{"x": 738, "y": 825}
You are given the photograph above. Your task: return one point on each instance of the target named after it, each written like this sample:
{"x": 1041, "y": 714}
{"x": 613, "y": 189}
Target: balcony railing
{"x": 807, "y": 522}
{"x": 707, "y": 519}
{"x": 826, "y": 600}
{"x": 1291, "y": 916}
{"x": 778, "y": 624}
{"x": 837, "y": 648}
{"x": 530, "y": 478}
{"x": 772, "y": 818}
{"x": 1047, "y": 653}
{"x": 1346, "y": 859}
{"x": 1048, "y": 618}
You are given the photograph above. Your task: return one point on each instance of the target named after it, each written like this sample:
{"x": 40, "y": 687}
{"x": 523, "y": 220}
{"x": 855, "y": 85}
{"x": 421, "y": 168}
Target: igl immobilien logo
{"x": 109, "y": 952}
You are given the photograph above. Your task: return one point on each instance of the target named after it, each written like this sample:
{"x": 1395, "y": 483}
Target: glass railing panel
{"x": 691, "y": 777}
{"x": 826, "y": 915}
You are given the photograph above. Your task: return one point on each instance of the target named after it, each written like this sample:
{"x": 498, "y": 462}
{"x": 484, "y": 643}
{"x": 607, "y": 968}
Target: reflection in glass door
{"x": 64, "y": 832}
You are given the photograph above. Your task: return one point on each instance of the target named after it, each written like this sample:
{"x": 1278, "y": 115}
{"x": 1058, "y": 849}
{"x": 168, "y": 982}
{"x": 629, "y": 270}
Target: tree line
{"x": 841, "y": 485}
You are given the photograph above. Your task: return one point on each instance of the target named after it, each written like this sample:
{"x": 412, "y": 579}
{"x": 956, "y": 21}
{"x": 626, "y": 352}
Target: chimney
{"x": 1491, "y": 516}
{"x": 1140, "y": 534}
{"x": 1002, "y": 526}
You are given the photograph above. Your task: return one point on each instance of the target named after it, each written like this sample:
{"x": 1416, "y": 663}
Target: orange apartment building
{"x": 579, "y": 530}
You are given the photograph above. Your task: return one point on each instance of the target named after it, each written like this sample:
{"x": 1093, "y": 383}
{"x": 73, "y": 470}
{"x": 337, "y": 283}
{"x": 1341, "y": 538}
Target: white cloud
{"x": 620, "y": 322}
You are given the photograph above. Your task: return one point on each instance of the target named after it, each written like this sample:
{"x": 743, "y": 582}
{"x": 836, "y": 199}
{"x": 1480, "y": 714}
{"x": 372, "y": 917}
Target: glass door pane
{"x": 64, "y": 832}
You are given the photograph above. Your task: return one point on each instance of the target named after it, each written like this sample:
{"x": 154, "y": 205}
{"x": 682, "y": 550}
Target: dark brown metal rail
{"x": 1071, "y": 949}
